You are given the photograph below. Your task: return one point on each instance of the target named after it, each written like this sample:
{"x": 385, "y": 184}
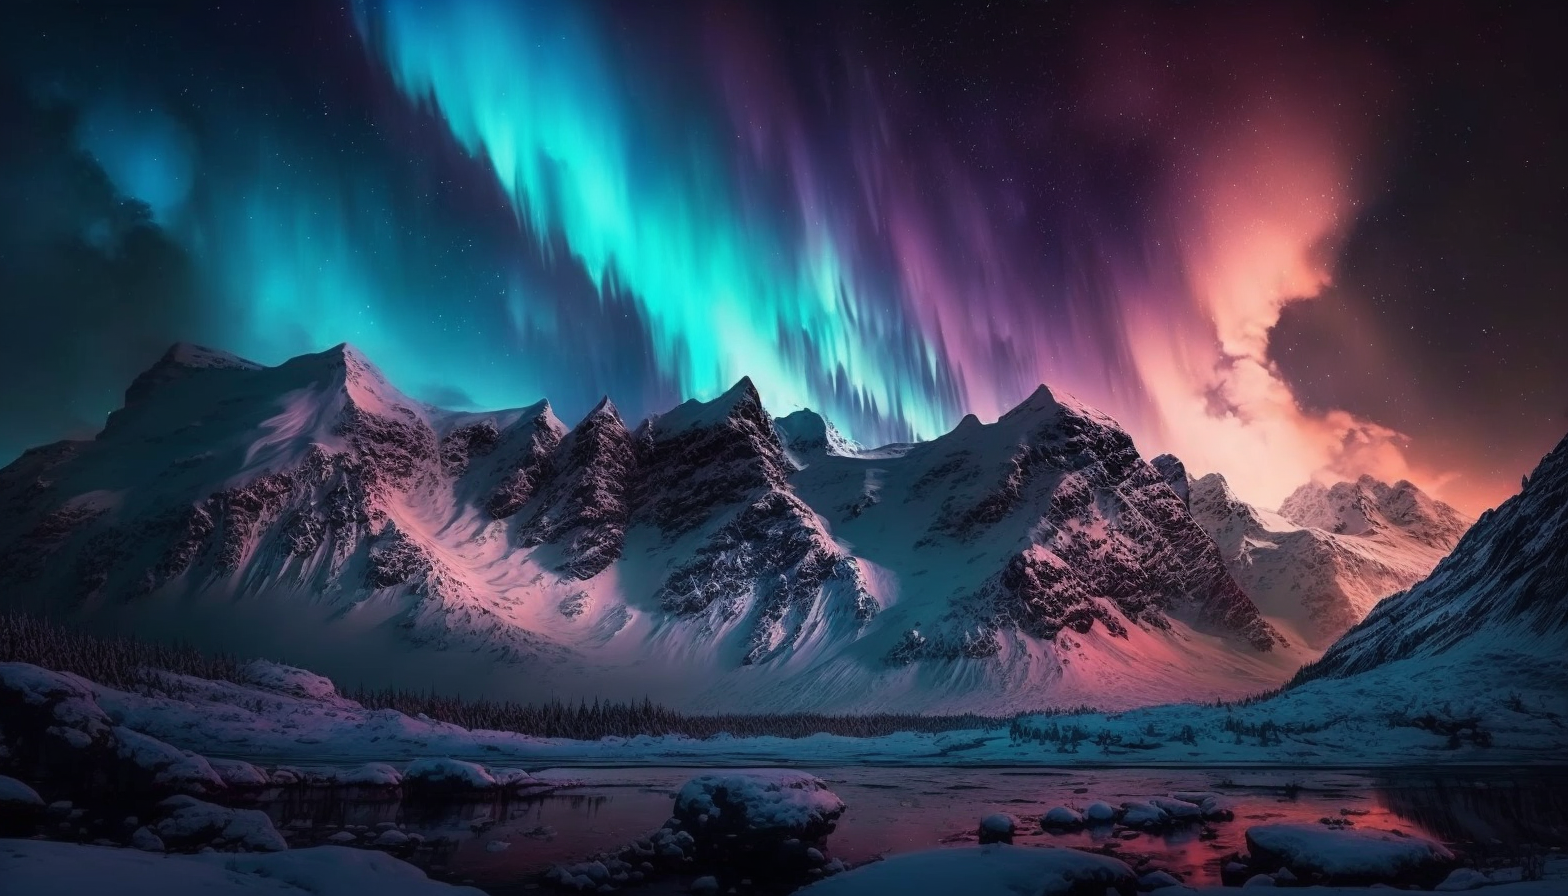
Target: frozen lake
{"x": 1481, "y": 812}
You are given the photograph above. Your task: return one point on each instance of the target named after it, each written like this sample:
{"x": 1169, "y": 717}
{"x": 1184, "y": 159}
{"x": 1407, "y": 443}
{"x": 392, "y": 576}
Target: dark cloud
{"x": 1448, "y": 316}
{"x": 91, "y": 289}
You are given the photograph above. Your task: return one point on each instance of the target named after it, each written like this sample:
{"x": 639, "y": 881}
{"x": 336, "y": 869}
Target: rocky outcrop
{"x": 585, "y": 506}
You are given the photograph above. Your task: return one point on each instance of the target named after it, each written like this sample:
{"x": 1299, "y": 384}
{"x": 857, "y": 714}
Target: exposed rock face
{"x": 585, "y": 507}
{"x": 528, "y": 450}
{"x": 1503, "y": 589}
{"x": 1175, "y": 474}
{"x": 700, "y": 458}
{"x": 1108, "y": 538}
{"x": 771, "y": 566}
{"x": 1347, "y": 548}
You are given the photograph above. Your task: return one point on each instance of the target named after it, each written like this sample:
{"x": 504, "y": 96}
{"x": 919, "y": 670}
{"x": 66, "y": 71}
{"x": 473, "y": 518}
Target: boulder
{"x": 1349, "y": 856}
{"x": 998, "y": 828}
{"x": 1062, "y": 818}
{"x": 191, "y": 823}
{"x": 758, "y": 805}
{"x": 21, "y": 808}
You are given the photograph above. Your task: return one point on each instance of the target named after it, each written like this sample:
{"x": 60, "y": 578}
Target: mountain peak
{"x": 740, "y": 399}
{"x": 806, "y": 432}
{"x": 177, "y": 362}
{"x": 604, "y": 410}
{"x": 1045, "y": 400}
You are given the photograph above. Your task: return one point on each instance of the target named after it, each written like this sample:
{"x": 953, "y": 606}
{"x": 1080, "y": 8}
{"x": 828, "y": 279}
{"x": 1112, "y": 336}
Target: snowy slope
{"x": 1324, "y": 561}
{"x": 1503, "y": 590}
{"x": 709, "y": 556}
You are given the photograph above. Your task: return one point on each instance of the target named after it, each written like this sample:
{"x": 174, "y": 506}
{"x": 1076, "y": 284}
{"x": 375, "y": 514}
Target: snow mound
{"x": 994, "y": 870}
{"x": 39, "y": 868}
{"x": 768, "y": 801}
{"x": 289, "y": 680}
{"x": 448, "y": 773}
{"x": 372, "y": 774}
{"x": 15, "y": 793}
{"x": 195, "y": 823}
{"x": 168, "y": 766}
{"x": 1348, "y": 855}
{"x": 237, "y": 773}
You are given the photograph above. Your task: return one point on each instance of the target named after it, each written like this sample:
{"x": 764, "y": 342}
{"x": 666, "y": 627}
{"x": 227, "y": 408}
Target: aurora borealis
{"x": 1281, "y": 242}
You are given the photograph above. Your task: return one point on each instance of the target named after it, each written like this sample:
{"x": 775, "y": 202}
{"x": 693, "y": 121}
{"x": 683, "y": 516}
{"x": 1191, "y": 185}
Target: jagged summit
{"x": 1369, "y": 505}
{"x": 179, "y": 361}
{"x": 738, "y": 400}
{"x": 1175, "y": 473}
{"x": 604, "y": 406}
{"x": 806, "y": 432}
{"x": 1046, "y": 401}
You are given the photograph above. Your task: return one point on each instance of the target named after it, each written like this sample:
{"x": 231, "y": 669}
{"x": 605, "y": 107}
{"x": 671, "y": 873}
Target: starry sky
{"x": 1283, "y": 241}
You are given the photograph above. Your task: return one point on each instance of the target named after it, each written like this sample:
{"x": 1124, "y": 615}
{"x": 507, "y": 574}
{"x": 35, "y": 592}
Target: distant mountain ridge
{"x": 1321, "y": 563}
{"x": 711, "y": 555}
{"x": 1502, "y": 592}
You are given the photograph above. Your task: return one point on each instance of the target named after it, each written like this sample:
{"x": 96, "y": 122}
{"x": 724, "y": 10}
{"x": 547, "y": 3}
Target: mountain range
{"x": 712, "y": 556}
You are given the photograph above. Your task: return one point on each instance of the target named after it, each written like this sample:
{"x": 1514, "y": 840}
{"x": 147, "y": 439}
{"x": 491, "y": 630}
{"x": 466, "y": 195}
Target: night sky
{"x": 1281, "y": 241}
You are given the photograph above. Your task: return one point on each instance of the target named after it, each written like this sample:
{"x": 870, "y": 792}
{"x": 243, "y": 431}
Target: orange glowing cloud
{"x": 1269, "y": 136}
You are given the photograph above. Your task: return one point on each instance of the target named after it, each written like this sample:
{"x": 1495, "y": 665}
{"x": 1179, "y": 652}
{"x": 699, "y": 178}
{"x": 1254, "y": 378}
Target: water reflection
{"x": 1483, "y": 813}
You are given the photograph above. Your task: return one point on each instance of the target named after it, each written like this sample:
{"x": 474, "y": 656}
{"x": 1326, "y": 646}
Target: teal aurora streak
{"x": 650, "y": 202}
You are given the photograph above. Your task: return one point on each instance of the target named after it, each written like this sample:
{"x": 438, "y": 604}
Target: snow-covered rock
{"x": 1178, "y": 809}
{"x": 236, "y": 773}
{"x": 1062, "y": 817}
{"x": 765, "y": 804}
{"x": 1144, "y": 815}
{"x": 1461, "y": 879}
{"x": 144, "y": 839}
{"x": 994, "y": 870}
{"x": 390, "y": 838}
{"x": 21, "y": 808}
{"x": 39, "y": 868}
{"x": 193, "y": 823}
{"x": 16, "y": 795}
{"x": 1348, "y": 855}
{"x": 60, "y": 731}
{"x": 1099, "y": 813}
{"x": 289, "y": 680}
{"x": 447, "y": 774}
{"x": 372, "y": 774}
{"x": 999, "y": 827}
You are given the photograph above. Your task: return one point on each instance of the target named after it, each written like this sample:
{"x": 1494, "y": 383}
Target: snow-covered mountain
{"x": 1321, "y": 563}
{"x": 1502, "y": 595}
{"x": 710, "y": 556}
